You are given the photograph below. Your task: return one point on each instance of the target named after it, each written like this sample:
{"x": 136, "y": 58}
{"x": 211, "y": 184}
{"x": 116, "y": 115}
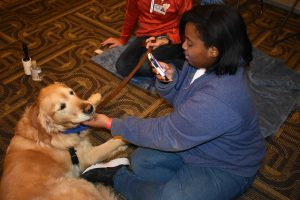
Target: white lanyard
{"x": 152, "y": 6}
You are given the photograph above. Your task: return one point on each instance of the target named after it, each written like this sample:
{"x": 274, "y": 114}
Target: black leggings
{"x": 131, "y": 55}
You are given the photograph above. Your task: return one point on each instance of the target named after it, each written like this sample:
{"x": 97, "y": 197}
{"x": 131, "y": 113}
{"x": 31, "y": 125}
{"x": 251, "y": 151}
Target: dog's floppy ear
{"x": 45, "y": 121}
{"x": 45, "y": 125}
{"x": 30, "y": 127}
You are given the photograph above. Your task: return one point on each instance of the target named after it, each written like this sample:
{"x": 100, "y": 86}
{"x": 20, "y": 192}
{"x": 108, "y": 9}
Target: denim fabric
{"x": 206, "y": 2}
{"x": 162, "y": 175}
{"x": 129, "y": 58}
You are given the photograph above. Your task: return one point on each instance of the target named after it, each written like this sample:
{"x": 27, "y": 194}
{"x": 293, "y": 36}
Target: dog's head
{"x": 58, "y": 108}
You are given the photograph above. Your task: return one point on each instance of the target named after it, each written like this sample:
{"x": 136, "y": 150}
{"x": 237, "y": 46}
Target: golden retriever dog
{"x": 38, "y": 161}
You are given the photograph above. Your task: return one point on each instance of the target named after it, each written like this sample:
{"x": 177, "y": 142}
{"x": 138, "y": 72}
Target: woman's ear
{"x": 213, "y": 52}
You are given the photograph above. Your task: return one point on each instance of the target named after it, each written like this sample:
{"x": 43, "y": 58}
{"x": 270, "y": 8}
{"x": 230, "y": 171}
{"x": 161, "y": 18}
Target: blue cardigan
{"x": 214, "y": 123}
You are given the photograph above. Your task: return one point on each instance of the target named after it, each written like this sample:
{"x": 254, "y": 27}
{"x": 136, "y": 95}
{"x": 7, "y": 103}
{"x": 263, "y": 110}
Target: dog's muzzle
{"x": 88, "y": 109}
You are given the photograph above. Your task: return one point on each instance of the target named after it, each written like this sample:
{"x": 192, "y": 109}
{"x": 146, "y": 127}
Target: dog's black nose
{"x": 89, "y": 109}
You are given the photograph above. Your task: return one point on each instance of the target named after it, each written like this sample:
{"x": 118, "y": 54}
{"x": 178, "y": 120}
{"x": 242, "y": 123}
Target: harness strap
{"x": 73, "y": 155}
{"x": 76, "y": 130}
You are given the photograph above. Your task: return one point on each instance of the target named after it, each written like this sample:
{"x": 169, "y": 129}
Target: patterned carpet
{"x": 62, "y": 36}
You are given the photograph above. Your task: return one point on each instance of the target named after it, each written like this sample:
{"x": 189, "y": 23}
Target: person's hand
{"x": 168, "y": 69}
{"x": 155, "y": 43}
{"x": 111, "y": 42}
{"x": 98, "y": 121}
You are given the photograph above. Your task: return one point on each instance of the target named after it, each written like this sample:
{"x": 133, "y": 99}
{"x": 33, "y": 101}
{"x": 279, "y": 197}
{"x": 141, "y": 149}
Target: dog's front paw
{"x": 95, "y": 99}
{"x": 122, "y": 148}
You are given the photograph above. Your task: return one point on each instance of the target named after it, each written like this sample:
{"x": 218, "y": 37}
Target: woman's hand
{"x": 155, "y": 43}
{"x": 98, "y": 121}
{"x": 168, "y": 69}
{"x": 112, "y": 42}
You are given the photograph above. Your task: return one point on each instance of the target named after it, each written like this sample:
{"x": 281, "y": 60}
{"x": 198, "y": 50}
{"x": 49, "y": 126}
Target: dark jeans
{"x": 207, "y": 2}
{"x": 131, "y": 55}
{"x": 158, "y": 175}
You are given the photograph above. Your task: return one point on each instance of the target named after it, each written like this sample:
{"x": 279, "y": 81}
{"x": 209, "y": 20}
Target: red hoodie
{"x": 154, "y": 18}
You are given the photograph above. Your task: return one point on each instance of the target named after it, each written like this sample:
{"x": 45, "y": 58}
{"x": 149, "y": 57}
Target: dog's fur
{"x": 38, "y": 164}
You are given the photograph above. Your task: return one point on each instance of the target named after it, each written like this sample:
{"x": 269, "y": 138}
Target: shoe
{"x": 104, "y": 172}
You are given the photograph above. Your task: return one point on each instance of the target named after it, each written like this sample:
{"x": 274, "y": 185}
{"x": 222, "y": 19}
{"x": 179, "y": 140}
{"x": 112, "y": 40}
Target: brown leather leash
{"x": 125, "y": 80}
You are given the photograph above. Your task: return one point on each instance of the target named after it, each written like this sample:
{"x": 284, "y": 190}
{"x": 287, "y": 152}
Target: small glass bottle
{"x": 35, "y": 71}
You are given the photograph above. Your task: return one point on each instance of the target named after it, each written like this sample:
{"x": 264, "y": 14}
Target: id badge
{"x": 159, "y": 8}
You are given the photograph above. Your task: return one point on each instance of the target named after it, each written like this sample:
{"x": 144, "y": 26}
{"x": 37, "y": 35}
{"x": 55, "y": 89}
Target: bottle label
{"x": 27, "y": 66}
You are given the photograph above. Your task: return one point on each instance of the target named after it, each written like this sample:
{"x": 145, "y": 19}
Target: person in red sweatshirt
{"x": 157, "y": 24}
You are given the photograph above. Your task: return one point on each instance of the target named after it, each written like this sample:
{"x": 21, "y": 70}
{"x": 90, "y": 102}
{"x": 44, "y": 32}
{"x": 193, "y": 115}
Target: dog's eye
{"x": 71, "y": 93}
{"x": 62, "y": 106}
